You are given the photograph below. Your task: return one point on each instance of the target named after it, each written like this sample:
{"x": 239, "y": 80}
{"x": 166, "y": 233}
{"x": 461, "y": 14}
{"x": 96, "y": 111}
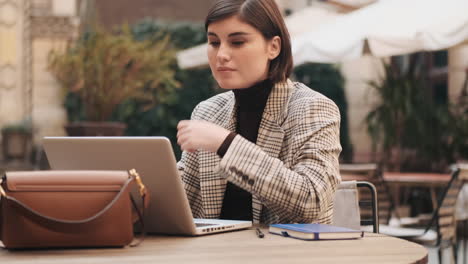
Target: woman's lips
{"x": 224, "y": 69}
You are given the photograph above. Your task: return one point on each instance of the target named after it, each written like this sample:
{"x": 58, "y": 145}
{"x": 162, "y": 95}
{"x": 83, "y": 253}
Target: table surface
{"x": 406, "y": 178}
{"x": 236, "y": 247}
{"x": 417, "y": 178}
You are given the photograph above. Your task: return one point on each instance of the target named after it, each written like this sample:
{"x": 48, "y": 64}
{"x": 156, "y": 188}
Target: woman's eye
{"x": 238, "y": 43}
{"x": 214, "y": 43}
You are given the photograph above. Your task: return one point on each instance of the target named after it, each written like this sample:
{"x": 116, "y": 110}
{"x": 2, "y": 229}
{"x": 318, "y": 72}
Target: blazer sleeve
{"x": 305, "y": 190}
{"x": 188, "y": 170}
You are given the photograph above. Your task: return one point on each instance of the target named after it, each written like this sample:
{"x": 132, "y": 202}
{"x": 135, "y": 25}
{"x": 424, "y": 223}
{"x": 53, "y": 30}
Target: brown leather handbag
{"x": 44, "y": 209}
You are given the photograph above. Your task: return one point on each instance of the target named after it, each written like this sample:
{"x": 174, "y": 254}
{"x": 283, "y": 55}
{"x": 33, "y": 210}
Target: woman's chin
{"x": 230, "y": 84}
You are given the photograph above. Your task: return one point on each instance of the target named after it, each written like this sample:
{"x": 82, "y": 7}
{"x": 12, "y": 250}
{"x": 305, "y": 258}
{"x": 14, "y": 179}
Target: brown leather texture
{"x": 68, "y": 196}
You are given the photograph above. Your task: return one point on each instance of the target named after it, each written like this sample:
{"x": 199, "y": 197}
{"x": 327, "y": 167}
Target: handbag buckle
{"x": 140, "y": 184}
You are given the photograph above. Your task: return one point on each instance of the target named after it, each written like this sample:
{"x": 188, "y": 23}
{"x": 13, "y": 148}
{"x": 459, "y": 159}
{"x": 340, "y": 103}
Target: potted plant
{"x": 103, "y": 70}
{"x": 16, "y": 140}
{"x": 411, "y": 131}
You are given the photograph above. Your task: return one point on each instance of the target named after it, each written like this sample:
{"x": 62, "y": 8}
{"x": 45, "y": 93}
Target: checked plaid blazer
{"x": 292, "y": 172}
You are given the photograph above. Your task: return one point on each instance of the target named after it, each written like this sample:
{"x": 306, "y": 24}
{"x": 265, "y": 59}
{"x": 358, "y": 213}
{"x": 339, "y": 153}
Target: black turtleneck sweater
{"x": 250, "y": 103}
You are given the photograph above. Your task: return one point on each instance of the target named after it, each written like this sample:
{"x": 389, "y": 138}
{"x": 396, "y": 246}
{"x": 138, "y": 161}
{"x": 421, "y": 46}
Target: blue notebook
{"x": 315, "y": 231}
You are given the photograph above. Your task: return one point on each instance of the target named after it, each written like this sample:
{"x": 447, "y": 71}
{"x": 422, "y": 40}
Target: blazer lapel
{"x": 270, "y": 133}
{"x": 226, "y": 116}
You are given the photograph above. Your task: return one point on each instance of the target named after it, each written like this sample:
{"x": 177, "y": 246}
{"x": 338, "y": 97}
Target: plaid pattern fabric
{"x": 292, "y": 171}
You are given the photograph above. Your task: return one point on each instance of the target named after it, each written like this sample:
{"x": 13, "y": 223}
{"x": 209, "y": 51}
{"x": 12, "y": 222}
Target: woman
{"x": 268, "y": 149}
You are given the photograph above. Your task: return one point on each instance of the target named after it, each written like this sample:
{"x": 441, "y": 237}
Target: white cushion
{"x": 461, "y": 212}
{"x": 346, "y": 207}
{"x": 415, "y": 234}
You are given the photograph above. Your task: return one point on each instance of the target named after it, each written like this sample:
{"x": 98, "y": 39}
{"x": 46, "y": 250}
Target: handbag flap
{"x": 65, "y": 180}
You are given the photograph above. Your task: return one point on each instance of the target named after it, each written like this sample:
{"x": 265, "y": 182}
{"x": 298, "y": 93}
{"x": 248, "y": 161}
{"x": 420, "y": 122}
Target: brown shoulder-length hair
{"x": 264, "y": 15}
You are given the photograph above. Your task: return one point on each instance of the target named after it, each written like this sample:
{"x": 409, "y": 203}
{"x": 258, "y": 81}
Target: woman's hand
{"x": 193, "y": 135}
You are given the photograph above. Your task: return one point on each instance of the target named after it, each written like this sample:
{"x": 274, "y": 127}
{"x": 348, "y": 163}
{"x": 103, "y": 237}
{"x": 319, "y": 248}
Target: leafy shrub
{"x": 196, "y": 85}
{"x": 102, "y": 70}
{"x": 412, "y": 132}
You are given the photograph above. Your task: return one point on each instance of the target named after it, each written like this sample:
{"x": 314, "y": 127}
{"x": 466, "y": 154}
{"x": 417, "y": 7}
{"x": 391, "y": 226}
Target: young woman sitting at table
{"x": 266, "y": 150}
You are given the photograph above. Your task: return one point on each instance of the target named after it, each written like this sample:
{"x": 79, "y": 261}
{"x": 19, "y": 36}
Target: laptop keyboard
{"x": 204, "y": 224}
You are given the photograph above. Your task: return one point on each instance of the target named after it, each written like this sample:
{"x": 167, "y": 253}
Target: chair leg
{"x": 440, "y": 255}
{"x": 455, "y": 253}
{"x": 465, "y": 248}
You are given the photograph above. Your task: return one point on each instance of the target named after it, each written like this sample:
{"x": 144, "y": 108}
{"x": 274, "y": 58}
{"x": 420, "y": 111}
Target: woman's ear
{"x": 274, "y": 47}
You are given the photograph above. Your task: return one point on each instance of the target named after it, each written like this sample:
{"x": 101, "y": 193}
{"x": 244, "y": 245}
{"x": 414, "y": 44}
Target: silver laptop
{"x": 153, "y": 158}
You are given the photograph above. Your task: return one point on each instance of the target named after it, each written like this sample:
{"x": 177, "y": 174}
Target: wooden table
{"x": 354, "y": 177}
{"x": 404, "y": 178}
{"x": 236, "y": 247}
{"x": 429, "y": 180}
{"x": 396, "y": 180}
{"x": 417, "y": 179}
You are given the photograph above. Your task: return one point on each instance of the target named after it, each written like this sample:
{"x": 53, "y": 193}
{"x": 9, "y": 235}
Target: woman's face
{"x": 238, "y": 54}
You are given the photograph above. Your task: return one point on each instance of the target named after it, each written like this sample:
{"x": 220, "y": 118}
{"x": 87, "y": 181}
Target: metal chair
{"x": 461, "y": 211}
{"x": 441, "y": 230}
{"x": 371, "y": 172}
{"x": 371, "y": 203}
{"x": 349, "y": 203}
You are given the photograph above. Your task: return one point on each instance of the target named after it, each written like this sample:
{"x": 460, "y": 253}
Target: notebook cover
{"x": 315, "y": 231}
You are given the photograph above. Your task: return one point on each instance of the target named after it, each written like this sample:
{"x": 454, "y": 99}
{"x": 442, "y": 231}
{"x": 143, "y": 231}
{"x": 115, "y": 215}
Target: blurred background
{"x": 64, "y": 62}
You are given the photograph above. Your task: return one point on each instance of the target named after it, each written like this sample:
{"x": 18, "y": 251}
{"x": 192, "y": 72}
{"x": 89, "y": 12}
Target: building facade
{"x": 29, "y": 30}
{"x": 15, "y": 86}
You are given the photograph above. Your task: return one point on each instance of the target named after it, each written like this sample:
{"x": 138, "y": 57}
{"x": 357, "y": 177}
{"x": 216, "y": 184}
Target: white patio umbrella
{"x": 298, "y": 23}
{"x": 387, "y": 27}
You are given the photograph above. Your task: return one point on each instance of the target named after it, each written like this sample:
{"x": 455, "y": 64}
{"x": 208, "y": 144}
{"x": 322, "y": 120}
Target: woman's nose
{"x": 224, "y": 53}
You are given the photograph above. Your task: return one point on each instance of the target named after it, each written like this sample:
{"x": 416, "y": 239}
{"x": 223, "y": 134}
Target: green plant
{"x": 327, "y": 80}
{"x": 459, "y": 123}
{"x": 103, "y": 70}
{"x": 398, "y": 96}
{"x": 412, "y": 132}
{"x": 23, "y": 126}
{"x": 161, "y": 119}
{"x": 196, "y": 85}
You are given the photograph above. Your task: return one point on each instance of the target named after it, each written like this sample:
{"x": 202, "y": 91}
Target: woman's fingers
{"x": 182, "y": 138}
{"x": 186, "y": 145}
{"x": 185, "y": 139}
{"x": 181, "y": 132}
{"x": 182, "y": 124}
{"x": 182, "y": 128}
{"x": 196, "y": 134}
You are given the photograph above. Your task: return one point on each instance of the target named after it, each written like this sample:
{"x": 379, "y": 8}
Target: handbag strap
{"x": 140, "y": 214}
{"x": 73, "y": 226}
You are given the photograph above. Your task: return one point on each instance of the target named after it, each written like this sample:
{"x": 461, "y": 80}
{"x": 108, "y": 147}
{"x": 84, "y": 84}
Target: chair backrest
{"x": 444, "y": 215}
{"x": 369, "y": 203}
{"x": 348, "y": 204}
{"x": 371, "y": 172}
{"x": 461, "y": 211}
